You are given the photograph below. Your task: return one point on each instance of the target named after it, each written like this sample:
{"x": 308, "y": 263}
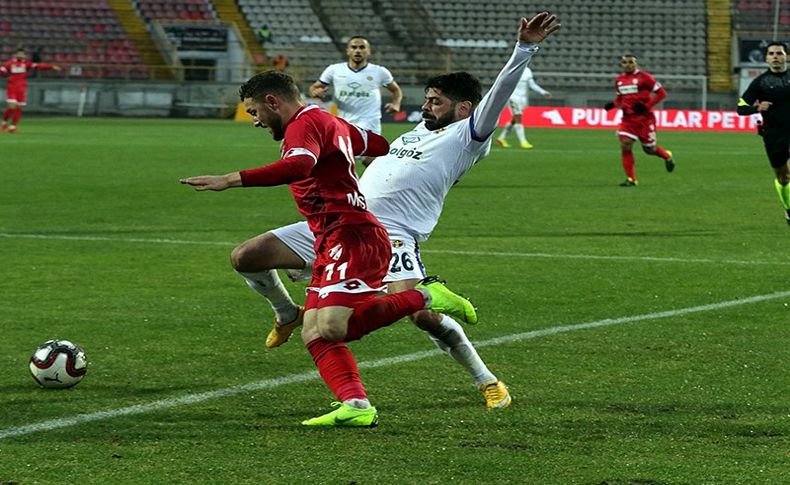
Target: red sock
{"x": 628, "y": 164}
{"x": 379, "y": 312}
{"x": 17, "y": 115}
{"x": 662, "y": 153}
{"x": 338, "y": 368}
{"x": 6, "y": 114}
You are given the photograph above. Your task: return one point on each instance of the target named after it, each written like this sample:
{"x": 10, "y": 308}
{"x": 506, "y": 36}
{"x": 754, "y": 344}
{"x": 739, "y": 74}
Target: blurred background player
{"x": 518, "y": 101}
{"x": 17, "y": 70}
{"x": 637, "y": 92}
{"x": 769, "y": 95}
{"x": 356, "y": 87}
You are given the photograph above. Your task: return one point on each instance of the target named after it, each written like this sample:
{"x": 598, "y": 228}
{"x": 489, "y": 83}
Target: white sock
{"x": 268, "y": 284}
{"x": 505, "y": 132}
{"x": 451, "y": 338}
{"x": 520, "y": 133}
{"x": 358, "y": 403}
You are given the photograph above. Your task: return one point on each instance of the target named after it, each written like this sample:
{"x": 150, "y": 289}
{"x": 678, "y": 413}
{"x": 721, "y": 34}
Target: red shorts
{"x": 16, "y": 94}
{"x": 642, "y": 128}
{"x": 350, "y": 263}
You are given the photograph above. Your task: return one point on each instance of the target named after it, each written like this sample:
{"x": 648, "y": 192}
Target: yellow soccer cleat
{"x": 346, "y": 415}
{"x": 503, "y": 143}
{"x": 527, "y": 145}
{"x": 496, "y": 394}
{"x": 281, "y": 333}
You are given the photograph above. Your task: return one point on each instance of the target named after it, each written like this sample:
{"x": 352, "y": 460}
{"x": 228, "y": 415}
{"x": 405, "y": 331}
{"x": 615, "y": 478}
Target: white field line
{"x": 427, "y": 251}
{"x": 385, "y": 362}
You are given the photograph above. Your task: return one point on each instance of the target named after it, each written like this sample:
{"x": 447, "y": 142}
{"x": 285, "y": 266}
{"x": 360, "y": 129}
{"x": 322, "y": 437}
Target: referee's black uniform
{"x": 773, "y": 87}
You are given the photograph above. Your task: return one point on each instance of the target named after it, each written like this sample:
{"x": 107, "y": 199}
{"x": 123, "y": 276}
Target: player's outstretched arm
{"x": 536, "y": 29}
{"x": 530, "y": 33}
{"x": 214, "y": 182}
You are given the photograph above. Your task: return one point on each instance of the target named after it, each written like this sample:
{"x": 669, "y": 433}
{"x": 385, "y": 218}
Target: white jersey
{"x": 405, "y": 189}
{"x": 357, "y": 93}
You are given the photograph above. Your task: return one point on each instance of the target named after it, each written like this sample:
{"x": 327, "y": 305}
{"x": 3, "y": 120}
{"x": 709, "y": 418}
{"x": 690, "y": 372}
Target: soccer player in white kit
{"x": 356, "y": 87}
{"x": 518, "y": 101}
{"x": 405, "y": 190}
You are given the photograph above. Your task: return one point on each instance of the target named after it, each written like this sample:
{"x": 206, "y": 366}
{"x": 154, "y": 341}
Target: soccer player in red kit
{"x": 16, "y": 90}
{"x": 637, "y": 92}
{"x": 352, "y": 247}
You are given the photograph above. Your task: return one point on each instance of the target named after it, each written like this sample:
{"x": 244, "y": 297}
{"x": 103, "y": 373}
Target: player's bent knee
{"x": 252, "y": 255}
{"x": 426, "y": 320}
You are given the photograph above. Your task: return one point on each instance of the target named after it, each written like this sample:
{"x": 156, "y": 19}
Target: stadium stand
{"x": 297, "y": 33}
{"x": 190, "y": 10}
{"x": 83, "y": 36}
{"x": 421, "y": 35}
{"x": 414, "y": 38}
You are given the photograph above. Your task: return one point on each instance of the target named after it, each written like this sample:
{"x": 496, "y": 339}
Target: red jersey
{"x": 317, "y": 161}
{"x": 636, "y": 87}
{"x": 17, "y": 70}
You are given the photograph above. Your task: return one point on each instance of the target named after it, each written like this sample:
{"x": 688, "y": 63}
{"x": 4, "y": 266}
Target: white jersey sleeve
{"x": 327, "y": 77}
{"x": 486, "y": 115}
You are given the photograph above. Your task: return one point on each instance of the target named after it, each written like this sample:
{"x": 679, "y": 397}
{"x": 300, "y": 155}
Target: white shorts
{"x": 517, "y": 104}
{"x": 404, "y": 265}
{"x": 370, "y": 124}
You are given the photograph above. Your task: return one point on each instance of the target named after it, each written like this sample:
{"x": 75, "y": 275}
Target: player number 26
{"x": 399, "y": 260}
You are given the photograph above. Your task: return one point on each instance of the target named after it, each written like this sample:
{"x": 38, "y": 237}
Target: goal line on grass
{"x": 169, "y": 403}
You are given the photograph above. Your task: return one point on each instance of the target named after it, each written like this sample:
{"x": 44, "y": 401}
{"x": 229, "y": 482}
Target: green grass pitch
{"x": 681, "y": 376}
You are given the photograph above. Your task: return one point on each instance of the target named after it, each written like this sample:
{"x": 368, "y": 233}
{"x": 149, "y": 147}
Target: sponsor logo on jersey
{"x": 405, "y": 153}
{"x": 357, "y": 200}
{"x": 336, "y": 252}
{"x": 397, "y": 243}
{"x": 353, "y": 93}
{"x": 410, "y": 139}
{"x": 626, "y": 89}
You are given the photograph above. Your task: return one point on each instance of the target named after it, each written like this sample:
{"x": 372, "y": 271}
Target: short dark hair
{"x": 270, "y": 82}
{"x": 458, "y": 86}
{"x": 775, "y": 43}
{"x": 357, "y": 37}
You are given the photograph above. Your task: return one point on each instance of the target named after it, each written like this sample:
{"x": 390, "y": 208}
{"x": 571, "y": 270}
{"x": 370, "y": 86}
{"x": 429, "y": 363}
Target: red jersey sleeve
{"x": 282, "y": 172}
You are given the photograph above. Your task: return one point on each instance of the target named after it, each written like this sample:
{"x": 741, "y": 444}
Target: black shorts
{"x": 777, "y": 146}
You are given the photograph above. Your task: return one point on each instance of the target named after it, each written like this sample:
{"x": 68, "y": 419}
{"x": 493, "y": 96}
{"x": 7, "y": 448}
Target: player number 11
{"x": 341, "y": 271}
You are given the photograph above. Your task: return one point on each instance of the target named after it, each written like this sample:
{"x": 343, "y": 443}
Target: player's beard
{"x": 275, "y": 127}
{"x": 433, "y": 123}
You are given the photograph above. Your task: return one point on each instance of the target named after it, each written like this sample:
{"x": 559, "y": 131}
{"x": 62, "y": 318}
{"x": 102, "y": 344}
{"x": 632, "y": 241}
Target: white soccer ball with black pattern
{"x": 58, "y": 364}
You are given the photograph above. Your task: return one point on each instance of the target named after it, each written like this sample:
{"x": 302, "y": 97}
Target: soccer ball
{"x": 58, "y": 364}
